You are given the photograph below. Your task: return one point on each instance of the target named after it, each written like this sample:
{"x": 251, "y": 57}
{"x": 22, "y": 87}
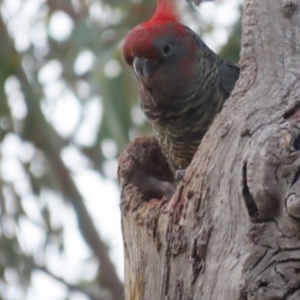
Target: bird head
{"x": 162, "y": 54}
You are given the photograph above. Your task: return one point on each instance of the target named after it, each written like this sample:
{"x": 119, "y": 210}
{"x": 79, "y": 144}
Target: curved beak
{"x": 141, "y": 70}
{"x": 139, "y": 66}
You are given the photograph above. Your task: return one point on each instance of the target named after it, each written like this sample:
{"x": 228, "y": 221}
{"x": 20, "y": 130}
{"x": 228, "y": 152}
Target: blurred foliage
{"x": 27, "y": 123}
{"x": 231, "y": 50}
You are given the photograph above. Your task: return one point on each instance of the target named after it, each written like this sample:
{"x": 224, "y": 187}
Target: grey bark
{"x": 232, "y": 229}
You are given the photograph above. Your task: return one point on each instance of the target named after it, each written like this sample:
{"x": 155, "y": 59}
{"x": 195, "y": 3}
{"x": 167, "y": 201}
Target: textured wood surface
{"x": 232, "y": 228}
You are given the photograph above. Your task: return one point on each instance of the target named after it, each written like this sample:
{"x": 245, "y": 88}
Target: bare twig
{"x": 93, "y": 295}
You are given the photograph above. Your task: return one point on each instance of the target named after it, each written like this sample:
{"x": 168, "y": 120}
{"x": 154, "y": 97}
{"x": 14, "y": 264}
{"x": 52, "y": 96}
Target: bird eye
{"x": 166, "y": 49}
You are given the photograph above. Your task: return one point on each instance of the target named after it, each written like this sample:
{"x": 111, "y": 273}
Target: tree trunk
{"x": 232, "y": 229}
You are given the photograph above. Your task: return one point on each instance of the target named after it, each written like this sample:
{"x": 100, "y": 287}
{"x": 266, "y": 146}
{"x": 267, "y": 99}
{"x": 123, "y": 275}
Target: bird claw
{"x": 179, "y": 174}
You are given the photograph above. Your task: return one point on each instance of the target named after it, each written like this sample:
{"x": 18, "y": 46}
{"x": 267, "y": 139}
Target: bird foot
{"x": 179, "y": 174}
